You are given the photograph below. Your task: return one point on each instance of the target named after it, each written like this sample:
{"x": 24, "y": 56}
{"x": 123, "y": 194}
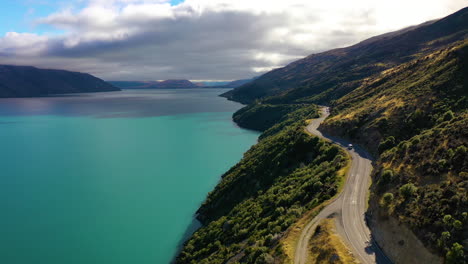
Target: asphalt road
{"x": 348, "y": 207}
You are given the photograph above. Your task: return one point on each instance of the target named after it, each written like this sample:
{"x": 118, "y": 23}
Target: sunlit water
{"x": 110, "y": 178}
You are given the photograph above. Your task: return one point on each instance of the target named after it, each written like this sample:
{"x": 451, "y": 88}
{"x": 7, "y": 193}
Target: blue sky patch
{"x": 22, "y": 14}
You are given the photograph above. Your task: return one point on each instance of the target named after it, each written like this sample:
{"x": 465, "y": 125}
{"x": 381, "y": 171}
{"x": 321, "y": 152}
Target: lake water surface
{"x": 110, "y": 178}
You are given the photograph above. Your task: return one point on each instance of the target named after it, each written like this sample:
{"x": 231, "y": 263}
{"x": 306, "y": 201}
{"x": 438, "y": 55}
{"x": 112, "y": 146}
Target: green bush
{"x": 388, "y": 143}
{"x": 387, "y": 176}
{"x": 448, "y": 116}
{"x": 455, "y": 255}
{"x": 408, "y": 190}
{"x": 387, "y": 199}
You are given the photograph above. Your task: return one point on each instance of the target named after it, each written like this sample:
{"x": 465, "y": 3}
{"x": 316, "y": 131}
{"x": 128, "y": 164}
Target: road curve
{"x": 348, "y": 207}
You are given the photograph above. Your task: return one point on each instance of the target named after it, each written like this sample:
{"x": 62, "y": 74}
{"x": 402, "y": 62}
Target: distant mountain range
{"x": 177, "y": 84}
{"x": 27, "y": 81}
{"x": 167, "y": 84}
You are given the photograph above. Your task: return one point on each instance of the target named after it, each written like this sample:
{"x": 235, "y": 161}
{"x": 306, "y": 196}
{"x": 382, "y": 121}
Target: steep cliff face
{"x": 26, "y": 81}
{"x": 400, "y": 243}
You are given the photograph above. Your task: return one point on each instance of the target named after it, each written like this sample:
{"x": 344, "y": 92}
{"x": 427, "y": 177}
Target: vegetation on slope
{"x": 286, "y": 174}
{"x": 273, "y": 118}
{"x": 327, "y": 247}
{"x": 403, "y": 95}
{"x": 424, "y": 181}
{"x": 262, "y": 116}
{"x": 401, "y": 102}
{"x": 415, "y": 118}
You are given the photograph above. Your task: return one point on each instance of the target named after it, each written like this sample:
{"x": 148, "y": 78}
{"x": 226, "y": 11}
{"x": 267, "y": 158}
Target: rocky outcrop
{"x": 399, "y": 242}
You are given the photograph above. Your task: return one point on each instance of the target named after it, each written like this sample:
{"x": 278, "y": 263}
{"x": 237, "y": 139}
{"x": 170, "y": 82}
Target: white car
{"x": 350, "y": 146}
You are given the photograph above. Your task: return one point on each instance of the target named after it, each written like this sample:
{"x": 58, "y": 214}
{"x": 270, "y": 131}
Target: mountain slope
{"x": 404, "y": 97}
{"x": 329, "y": 75}
{"x": 238, "y": 83}
{"x": 279, "y": 179}
{"x": 414, "y": 117}
{"x": 404, "y": 100}
{"x": 26, "y": 81}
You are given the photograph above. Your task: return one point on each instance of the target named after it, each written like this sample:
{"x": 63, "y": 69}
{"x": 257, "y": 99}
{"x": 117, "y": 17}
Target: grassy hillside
{"x": 414, "y": 118}
{"x": 286, "y": 174}
{"x": 401, "y": 102}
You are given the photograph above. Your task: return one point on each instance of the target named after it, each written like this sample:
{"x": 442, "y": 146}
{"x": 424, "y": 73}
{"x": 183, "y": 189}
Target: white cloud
{"x": 22, "y": 44}
{"x": 207, "y": 39}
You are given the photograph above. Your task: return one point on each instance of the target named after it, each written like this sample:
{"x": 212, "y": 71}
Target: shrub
{"x": 408, "y": 190}
{"x": 388, "y": 143}
{"x": 455, "y": 255}
{"x": 317, "y": 186}
{"x": 387, "y": 176}
{"x": 387, "y": 199}
{"x": 447, "y": 220}
{"x": 442, "y": 163}
{"x": 457, "y": 224}
{"x": 448, "y": 116}
{"x": 442, "y": 241}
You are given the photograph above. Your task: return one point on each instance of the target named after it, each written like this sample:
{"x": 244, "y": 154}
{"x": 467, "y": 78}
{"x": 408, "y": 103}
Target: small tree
{"x": 464, "y": 216}
{"x": 457, "y": 224}
{"x": 455, "y": 254}
{"x": 387, "y": 176}
{"x": 387, "y": 199}
{"x": 447, "y": 220}
{"x": 444, "y": 238}
{"x": 408, "y": 190}
{"x": 388, "y": 143}
{"x": 448, "y": 116}
{"x": 317, "y": 186}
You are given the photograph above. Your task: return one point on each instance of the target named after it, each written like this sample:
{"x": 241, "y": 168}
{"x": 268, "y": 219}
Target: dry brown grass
{"x": 289, "y": 241}
{"x": 327, "y": 247}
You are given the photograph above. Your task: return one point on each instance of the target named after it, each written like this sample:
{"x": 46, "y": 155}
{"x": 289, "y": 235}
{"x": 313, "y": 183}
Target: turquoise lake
{"x": 110, "y": 178}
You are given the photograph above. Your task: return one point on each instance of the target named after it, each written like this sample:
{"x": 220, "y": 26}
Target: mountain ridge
{"x": 326, "y": 76}
{"x": 29, "y": 81}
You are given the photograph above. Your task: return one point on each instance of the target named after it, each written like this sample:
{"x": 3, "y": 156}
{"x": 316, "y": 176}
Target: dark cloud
{"x": 135, "y": 40}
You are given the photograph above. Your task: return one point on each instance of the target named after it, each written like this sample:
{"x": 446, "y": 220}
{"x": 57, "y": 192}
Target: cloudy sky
{"x": 194, "y": 39}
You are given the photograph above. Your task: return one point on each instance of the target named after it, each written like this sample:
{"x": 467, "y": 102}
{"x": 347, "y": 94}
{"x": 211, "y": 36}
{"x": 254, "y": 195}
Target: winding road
{"x": 348, "y": 207}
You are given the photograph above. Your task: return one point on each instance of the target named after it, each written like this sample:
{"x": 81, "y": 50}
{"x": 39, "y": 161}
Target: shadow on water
{"x": 194, "y": 226}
